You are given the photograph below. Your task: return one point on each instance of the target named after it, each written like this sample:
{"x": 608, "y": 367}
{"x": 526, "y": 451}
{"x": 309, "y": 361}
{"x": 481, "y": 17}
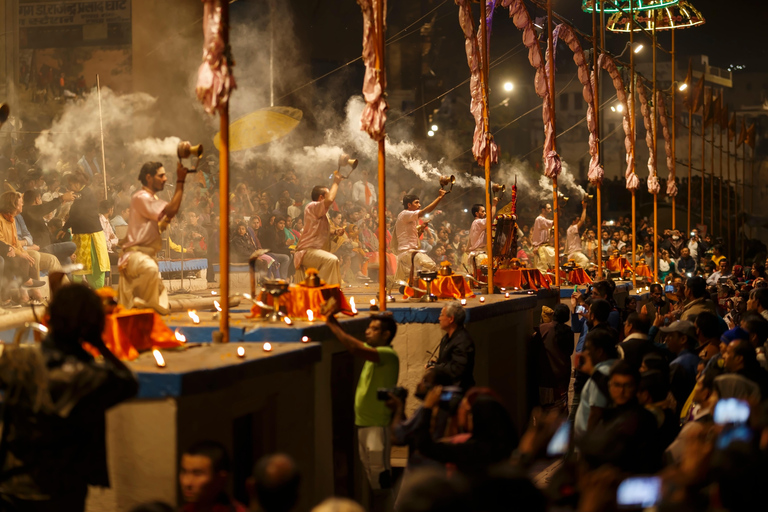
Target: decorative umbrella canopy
{"x": 682, "y": 15}
{"x": 260, "y": 127}
{"x": 617, "y": 6}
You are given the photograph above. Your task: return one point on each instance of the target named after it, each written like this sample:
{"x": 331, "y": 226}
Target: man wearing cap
{"x": 680, "y": 338}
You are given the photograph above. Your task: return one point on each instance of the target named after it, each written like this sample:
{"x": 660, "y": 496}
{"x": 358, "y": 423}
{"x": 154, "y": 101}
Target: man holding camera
{"x": 380, "y": 371}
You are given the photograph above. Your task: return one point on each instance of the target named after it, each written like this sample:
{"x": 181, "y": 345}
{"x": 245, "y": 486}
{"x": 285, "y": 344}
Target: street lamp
{"x": 509, "y": 86}
{"x": 683, "y": 86}
{"x": 434, "y": 128}
{"x": 431, "y": 133}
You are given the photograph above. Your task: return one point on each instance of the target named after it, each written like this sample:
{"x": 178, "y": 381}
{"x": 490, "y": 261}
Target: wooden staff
{"x": 103, "y": 155}
{"x": 655, "y": 194}
{"x": 382, "y": 207}
{"x": 674, "y": 122}
{"x": 720, "y": 181}
{"x": 223, "y": 334}
{"x": 632, "y": 139}
{"x": 690, "y": 146}
{"x": 712, "y": 177}
{"x": 484, "y": 71}
{"x": 596, "y": 106}
{"x": 555, "y": 205}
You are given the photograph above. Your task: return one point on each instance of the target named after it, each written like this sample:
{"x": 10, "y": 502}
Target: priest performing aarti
{"x": 141, "y": 285}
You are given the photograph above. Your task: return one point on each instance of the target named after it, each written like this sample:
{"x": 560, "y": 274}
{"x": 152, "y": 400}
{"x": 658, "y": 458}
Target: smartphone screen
{"x": 731, "y": 410}
{"x": 581, "y": 309}
{"x": 446, "y": 396}
{"x": 669, "y": 288}
{"x": 558, "y": 445}
{"x": 737, "y": 433}
{"x": 639, "y": 492}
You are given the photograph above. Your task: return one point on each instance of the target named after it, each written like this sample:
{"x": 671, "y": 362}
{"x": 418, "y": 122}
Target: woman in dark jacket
{"x": 242, "y": 244}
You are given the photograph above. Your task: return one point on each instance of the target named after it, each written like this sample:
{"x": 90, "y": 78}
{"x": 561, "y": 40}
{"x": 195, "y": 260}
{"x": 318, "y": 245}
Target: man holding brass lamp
{"x": 140, "y": 283}
{"x": 407, "y": 230}
{"x": 312, "y": 250}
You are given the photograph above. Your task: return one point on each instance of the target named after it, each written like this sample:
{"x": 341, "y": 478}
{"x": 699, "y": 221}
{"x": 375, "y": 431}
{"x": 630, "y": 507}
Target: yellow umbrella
{"x": 260, "y": 127}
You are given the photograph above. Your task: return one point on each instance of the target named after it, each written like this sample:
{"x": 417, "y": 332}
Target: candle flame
{"x": 217, "y": 305}
{"x": 267, "y": 347}
{"x": 287, "y": 320}
{"x": 305, "y": 339}
{"x": 506, "y": 295}
{"x": 159, "y": 358}
{"x": 373, "y": 302}
{"x": 213, "y": 292}
{"x": 180, "y": 337}
{"x": 310, "y": 315}
{"x": 463, "y": 302}
{"x": 241, "y": 352}
{"x": 482, "y": 299}
{"x": 352, "y": 304}
{"x": 193, "y": 315}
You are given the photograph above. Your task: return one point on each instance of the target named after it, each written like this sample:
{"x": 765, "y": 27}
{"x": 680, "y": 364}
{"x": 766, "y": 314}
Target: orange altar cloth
{"x": 576, "y": 276}
{"x": 621, "y": 265}
{"x": 302, "y": 298}
{"x": 519, "y": 278}
{"x": 130, "y": 331}
{"x": 643, "y": 270}
{"x": 445, "y": 287}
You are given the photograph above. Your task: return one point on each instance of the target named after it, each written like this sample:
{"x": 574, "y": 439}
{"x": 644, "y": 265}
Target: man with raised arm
{"x": 141, "y": 285}
{"x": 312, "y": 251}
{"x": 573, "y": 240}
{"x": 543, "y": 253}
{"x": 407, "y": 232}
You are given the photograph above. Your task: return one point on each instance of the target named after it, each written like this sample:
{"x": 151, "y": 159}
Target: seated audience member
{"x": 708, "y": 332}
{"x": 636, "y": 343}
{"x": 553, "y": 345}
{"x": 653, "y": 394}
{"x": 741, "y": 358}
{"x": 274, "y": 486}
{"x": 457, "y": 349}
{"x": 203, "y": 475}
{"x": 626, "y": 434}
{"x": 492, "y": 436}
{"x": 598, "y": 357}
{"x": 680, "y": 339}
{"x": 53, "y": 446}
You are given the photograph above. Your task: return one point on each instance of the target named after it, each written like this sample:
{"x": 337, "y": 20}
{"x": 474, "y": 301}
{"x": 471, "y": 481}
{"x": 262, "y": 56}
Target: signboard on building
{"x": 70, "y": 23}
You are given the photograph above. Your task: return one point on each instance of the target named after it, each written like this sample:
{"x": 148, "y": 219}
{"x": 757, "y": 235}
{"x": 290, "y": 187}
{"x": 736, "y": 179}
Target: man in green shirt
{"x": 372, "y": 416}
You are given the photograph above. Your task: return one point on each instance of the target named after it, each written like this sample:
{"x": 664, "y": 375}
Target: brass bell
{"x": 187, "y": 150}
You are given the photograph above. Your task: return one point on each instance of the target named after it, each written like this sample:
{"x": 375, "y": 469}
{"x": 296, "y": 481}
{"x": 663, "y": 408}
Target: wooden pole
{"x": 728, "y": 191}
{"x": 484, "y": 71}
{"x": 690, "y": 147}
{"x": 596, "y": 106}
{"x": 555, "y": 202}
{"x": 712, "y": 179}
{"x": 720, "y": 183}
{"x": 632, "y": 139}
{"x": 674, "y": 122}
{"x": 103, "y": 154}
{"x": 655, "y": 194}
{"x": 223, "y": 334}
{"x": 382, "y": 206}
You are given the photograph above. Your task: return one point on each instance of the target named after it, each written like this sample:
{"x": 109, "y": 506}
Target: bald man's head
{"x": 274, "y": 486}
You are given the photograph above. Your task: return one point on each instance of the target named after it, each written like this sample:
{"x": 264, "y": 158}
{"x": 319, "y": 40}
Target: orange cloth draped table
{"x": 445, "y": 287}
{"x": 576, "y": 276}
{"x": 621, "y": 265}
{"x": 643, "y": 270}
{"x": 130, "y": 331}
{"x": 520, "y": 278}
{"x": 301, "y": 298}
